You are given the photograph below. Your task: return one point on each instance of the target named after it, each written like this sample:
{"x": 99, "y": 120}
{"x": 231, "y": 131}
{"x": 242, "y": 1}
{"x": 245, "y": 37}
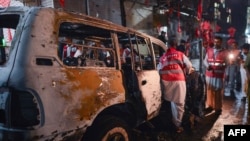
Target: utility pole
{"x": 87, "y": 6}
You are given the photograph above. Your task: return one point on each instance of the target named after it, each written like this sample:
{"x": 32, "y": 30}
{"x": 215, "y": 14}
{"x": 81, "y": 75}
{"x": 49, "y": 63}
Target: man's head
{"x": 163, "y": 33}
{"x": 127, "y": 45}
{"x": 217, "y": 42}
{"x": 183, "y": 41}
{"x": 234, "y": 45}
{"x": 245, "y": 48}
{"x": 173, "y": 42}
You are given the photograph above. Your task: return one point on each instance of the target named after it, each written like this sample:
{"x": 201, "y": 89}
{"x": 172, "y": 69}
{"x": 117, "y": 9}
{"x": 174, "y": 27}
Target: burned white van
{"x": 64, "y": 77}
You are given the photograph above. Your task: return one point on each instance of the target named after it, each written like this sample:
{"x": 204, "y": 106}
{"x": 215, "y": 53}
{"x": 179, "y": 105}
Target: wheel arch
{"x": 124, "y": 111}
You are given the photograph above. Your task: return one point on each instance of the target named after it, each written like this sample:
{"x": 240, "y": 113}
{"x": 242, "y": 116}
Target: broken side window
{"x": 138, "y": 47}
{"x": 158, "y": 50}
{"x": 83, "y": 45}
{"x": 8, "y": 24}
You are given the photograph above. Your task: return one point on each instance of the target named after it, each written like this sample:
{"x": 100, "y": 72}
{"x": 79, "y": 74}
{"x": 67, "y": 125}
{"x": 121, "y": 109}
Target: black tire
{"x": 109, "y": 128}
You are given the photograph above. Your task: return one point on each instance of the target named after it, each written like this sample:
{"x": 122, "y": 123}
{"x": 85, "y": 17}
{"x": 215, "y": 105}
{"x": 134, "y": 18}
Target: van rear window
{"x": 8, "y": 24}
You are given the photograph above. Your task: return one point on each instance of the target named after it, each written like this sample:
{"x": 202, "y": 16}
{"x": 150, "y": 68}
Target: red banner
{"x": 231, "y": 31}
{"x": 199, "y": 10}
{"x": 146, "y": 2}
{"x": 4, "y": 3}
{"x": 62, "y": 3}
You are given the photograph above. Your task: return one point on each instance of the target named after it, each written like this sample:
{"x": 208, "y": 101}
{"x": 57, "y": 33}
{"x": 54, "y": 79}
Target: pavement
{"x": 208, "y": 128}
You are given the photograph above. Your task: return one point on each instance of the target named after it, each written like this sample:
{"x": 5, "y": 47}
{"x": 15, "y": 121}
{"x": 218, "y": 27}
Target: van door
{"x": 143, "y": 65}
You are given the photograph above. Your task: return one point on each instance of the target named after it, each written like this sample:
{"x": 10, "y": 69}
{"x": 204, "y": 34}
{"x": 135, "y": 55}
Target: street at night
{"x": 124, "y": 70}
{"x": 210, "y": 128}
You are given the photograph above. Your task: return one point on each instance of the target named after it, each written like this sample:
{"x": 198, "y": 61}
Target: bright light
{"x": 231, "y": 56}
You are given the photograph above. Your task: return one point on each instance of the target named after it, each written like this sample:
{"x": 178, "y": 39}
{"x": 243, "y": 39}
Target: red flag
{"x": 9, "y": 34}
{"x": 205, "y": 25}
{"x": 146, "y": 2}
{"x": 197, "y": 32}
{"x": 62, "y": 3}
{"x": 4, "y": 3}
{"x": 231, "y": 31}
{"x": 199, "y": 10}
{"x": 179, "y": 28}
{"x": 217, "y": 28}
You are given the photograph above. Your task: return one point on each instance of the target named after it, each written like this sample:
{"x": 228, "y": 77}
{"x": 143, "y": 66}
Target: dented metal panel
{"x": 151, "y": 91}
{"x": 60, "y": 100}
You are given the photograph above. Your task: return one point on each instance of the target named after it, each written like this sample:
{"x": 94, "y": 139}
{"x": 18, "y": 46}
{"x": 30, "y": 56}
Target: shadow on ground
{"x": 208, "y": 128}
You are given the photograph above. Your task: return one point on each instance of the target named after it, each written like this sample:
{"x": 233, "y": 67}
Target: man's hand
{"x": 191, "y": 70}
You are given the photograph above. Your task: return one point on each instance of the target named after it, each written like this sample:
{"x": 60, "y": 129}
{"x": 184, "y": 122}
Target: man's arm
{"x": 205, "y": 61}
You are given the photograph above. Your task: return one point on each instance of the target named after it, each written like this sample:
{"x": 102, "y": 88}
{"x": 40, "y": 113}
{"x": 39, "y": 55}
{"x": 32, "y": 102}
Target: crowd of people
{"x": 226, "y": 71}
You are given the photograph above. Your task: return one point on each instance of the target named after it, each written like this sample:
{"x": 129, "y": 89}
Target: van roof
{"x": 102, "y": 23}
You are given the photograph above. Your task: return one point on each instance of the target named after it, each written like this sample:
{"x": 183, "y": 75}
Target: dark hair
{"x": 173, "y": 41}
{"x": 183, "y": 41}
{"x": 127, "y": 45}
{"x": 163, "y": 32}
{"x": 245, "y": 46}
{"x": 218, "y": 37}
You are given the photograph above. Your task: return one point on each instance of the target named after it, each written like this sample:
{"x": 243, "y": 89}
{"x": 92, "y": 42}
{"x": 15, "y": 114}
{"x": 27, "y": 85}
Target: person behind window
{"x": 79, "y": 49}
{"x": 126, "y": 55}
{"x": 125, "y": 52}
{"x": 69, "y": 49}
{"x": 68, "y": 53}
{"x": 108, "y": 59}
{"x": 79, "y": 55}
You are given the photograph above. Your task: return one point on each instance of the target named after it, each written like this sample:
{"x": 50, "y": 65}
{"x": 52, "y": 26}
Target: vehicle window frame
{"x": 95, "y": 41}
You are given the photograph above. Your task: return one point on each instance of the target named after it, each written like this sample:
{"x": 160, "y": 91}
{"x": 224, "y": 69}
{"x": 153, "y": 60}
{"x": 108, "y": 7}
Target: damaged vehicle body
{"x": 63, "y": 77}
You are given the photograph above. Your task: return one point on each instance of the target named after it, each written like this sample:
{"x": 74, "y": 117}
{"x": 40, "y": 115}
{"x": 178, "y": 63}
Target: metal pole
{"x": 87, "y": 6}
{"x": 201, "y": 55}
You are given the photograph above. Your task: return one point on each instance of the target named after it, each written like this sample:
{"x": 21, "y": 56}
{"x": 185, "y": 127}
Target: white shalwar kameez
{"x": 175, "y": 93}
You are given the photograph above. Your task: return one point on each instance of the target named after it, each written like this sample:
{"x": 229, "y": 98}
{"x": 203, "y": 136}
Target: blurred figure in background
{"x": 162, "y": 37}
{"x": 232, "y": 69}
{"x": 182, "y": 46}
{"x": 247, "y": 68}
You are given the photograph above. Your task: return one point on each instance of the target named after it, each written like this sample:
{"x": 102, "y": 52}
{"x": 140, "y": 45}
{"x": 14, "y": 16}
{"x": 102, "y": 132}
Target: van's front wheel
{"x": 110, "y": 128}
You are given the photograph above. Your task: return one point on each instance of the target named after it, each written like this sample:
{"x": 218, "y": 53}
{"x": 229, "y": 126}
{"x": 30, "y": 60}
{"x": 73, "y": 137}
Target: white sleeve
{"x": 205, "y": 61}
{"x": 68, "y": 51}
{"x": 108, "y": 54}
{"x": 187, "y": 62}
{"x": 78, "y": 53}
{"x": 124, "y": 56}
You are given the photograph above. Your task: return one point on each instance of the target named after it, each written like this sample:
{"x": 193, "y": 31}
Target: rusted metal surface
{"x": 69, "y": 98}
